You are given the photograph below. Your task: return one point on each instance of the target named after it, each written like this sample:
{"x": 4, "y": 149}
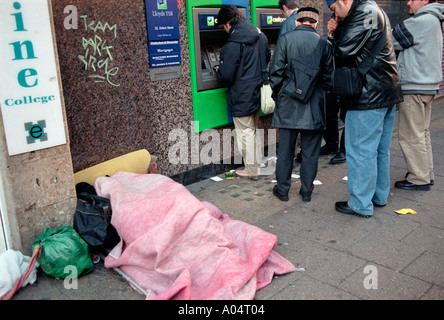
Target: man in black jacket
{"x": 370, "y": 115}
{"x": 301, "y": 58}
{"x": 240, "y": 71}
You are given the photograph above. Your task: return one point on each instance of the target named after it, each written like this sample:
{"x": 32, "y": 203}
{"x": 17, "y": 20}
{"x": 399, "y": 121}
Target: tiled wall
{"x": 129, "y": 112}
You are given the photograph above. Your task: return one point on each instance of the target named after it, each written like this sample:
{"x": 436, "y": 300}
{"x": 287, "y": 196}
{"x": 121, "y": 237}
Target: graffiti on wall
{"x": 97, "y": 57}
{"x": 97, "y": 51}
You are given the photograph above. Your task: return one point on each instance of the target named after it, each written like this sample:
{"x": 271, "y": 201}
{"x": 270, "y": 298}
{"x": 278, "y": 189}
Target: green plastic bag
{"x": 62, "y": 247}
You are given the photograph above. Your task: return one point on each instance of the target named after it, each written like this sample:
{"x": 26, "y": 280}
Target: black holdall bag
{"x": 92, "y": 221}
{"x": 304, "y": 79}
{"x": 305, "y": 76}
{"x": 349, "y": 81}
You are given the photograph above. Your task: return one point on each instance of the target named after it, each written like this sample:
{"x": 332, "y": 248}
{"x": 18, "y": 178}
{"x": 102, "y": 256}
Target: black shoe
{"x": 299, "y": 157}
{"x": 432, "y": 182}
{"x": 324, "y": 150}
{"x": 411, "y": 186}
{"x": 276, "y": 193}
{"x": 338, "y": 158}
{"x": 342, "y": 207}
{"x": 305, "y": 198}
{"x": 379, "y": 205}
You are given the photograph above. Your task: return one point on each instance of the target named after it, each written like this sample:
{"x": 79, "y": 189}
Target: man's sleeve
{"x": 327, "y": 68}
{"x": 267, "y": 49}
{"x": 229, "y": 63}
{"x": 402, "y": 38}
{"x": 277, "y": 67}
{"x": 360, "y": 36}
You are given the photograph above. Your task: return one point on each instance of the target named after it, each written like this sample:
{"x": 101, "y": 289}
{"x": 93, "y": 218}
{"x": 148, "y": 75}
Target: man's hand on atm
{"x": 216, "y": 68}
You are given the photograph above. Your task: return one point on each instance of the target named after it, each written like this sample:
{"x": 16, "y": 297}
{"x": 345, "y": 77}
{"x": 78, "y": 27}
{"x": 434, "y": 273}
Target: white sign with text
{"x": 30, "y": 96}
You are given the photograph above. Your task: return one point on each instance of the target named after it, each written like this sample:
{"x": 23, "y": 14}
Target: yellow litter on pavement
{"x": 405, "y": 211}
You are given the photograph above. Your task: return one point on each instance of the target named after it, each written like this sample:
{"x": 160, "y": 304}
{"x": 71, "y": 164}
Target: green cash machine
{"x": 210, "y": 108}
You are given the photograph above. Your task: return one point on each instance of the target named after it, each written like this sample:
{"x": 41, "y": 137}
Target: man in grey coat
{"x": 300, "y": 69}
{"x": 419, "y": 42}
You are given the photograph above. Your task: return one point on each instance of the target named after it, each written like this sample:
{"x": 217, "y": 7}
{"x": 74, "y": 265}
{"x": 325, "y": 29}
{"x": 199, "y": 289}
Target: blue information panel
{"x": 269, "y": 20}
{"x": 162, "y": 22}
{"x": 164, "y": 53}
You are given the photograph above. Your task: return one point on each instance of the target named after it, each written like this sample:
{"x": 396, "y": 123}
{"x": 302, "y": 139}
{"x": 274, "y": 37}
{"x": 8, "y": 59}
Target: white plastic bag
{"x": 267, "y": 103}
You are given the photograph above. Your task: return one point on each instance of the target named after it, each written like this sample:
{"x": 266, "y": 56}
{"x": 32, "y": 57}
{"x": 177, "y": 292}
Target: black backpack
{"x": 92, "y": 219}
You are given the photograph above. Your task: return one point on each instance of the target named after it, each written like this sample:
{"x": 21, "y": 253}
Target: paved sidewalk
{"x": 336, "y": 255}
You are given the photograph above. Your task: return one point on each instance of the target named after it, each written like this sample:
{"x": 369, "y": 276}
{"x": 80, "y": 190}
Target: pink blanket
{"x": 177, "y": 247}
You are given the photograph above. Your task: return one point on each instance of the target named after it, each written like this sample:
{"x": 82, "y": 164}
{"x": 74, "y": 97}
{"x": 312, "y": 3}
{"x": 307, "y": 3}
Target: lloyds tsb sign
{"x": 30, "y": 98}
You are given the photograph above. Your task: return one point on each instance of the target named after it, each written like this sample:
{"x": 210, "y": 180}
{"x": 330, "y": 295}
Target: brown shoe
{"x": 245, "y": 174}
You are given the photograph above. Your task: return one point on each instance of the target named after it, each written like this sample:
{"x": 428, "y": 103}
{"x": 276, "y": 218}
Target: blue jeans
{"x": 367, "y": 144}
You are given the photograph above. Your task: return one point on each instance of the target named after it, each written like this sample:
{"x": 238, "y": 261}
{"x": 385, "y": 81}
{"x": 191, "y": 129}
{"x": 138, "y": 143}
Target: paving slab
{"x": 428, "y": 267}
{"x": 390, "y": 285}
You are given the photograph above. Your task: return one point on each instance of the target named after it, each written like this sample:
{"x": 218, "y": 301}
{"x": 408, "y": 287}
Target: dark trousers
{"x": 310, "y": 146}
{"x": 331, "y": 133}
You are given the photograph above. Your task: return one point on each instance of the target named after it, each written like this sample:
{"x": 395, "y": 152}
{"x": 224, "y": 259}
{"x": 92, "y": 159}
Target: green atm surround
{"x": 210, "y": 108}
{"x": 265, "y": 7}
{"x": 255, "y": 4}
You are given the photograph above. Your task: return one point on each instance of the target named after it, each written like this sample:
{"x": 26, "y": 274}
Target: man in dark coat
{"x": 370, "y": 115}
{"x": 240, "y": 71}
{"x": 300, "y": 55}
